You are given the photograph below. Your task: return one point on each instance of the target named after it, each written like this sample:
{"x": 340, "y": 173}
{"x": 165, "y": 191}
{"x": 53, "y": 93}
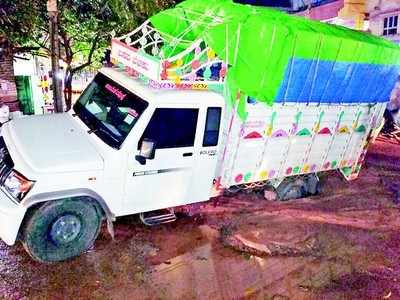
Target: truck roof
{"x": 154, "y": 95}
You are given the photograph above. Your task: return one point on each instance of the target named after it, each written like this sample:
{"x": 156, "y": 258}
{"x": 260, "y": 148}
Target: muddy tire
{"x": 298, "y": 187}
{"x": 62, "y": 229}
{"x": 313, "y": 184}
{"x": 289, "y": 190}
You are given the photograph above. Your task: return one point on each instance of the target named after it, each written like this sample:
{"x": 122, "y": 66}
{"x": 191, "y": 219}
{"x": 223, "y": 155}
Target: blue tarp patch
{"x": 312, "y": 81}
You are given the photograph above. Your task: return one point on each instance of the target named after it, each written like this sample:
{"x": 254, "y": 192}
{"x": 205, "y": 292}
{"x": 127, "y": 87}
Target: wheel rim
{"x": 65, "y": 229}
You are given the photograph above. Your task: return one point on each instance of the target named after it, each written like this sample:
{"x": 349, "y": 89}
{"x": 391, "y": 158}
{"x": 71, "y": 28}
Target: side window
{"x": 211, "y": 132}
{"x": 172, "y": 127}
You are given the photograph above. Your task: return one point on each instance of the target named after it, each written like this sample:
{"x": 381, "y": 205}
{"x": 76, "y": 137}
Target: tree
{"x": 86, "y": 25}
{"x": 18, "y": 21}
{"x": 85, "y": 28}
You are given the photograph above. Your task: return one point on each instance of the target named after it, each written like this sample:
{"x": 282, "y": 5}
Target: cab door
{"x": 164, "y": 181}
{"x": 206, "y": 157}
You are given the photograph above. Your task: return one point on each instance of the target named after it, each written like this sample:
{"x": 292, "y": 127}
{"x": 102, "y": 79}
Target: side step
{"x": 152, "y": 219}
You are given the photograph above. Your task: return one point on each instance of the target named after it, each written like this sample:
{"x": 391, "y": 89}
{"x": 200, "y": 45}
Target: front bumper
{"x": 11, "y": 216}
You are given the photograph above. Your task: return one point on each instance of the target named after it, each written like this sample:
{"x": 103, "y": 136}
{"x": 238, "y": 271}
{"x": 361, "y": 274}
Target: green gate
{"x": 24, "y": 94}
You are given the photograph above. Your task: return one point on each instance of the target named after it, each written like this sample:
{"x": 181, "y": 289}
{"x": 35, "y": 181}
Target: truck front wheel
{"x": 61, "y": 229}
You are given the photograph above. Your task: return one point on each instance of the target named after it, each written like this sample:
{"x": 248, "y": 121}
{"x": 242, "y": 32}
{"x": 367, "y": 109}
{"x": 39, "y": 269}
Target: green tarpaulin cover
{"x": 276, "y": 57}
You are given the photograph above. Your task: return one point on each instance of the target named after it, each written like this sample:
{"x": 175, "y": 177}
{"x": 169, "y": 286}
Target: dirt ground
{"x": 342, "y": 244}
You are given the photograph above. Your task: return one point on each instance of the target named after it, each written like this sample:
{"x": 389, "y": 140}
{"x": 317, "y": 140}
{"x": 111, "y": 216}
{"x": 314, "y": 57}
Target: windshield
{"x": 109, "y": 110}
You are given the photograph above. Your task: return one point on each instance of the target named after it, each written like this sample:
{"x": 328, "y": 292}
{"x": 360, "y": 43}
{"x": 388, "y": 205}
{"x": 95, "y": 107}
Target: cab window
{"x": 172, "y": 127}
{"x": 211, "y": 132}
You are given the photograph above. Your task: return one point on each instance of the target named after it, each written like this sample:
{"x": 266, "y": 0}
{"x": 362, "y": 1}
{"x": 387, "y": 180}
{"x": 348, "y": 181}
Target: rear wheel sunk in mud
{"x": 298, "y": 187}
{"x": 61, "y": 229}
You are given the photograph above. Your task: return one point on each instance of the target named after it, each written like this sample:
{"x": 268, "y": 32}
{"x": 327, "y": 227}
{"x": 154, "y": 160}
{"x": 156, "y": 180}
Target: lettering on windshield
{"x": 120, "y": 95}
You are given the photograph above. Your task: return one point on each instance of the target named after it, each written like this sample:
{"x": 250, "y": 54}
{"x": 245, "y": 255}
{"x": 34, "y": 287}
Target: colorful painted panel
{"x": 297, "y": 139}
{"x": 317, "y": 152}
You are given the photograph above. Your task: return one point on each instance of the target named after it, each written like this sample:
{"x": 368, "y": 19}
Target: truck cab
{"x": 124, "y": 148}
{"x": 162, "y": 144}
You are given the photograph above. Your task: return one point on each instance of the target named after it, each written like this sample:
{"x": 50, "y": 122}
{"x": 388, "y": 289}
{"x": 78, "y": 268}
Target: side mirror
{"x": 148, "y": 148}
{"x": 147, "y": 151}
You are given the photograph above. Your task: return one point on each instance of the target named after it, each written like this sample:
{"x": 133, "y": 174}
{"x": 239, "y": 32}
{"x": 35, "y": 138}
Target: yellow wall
{"x": 354, "y": 10}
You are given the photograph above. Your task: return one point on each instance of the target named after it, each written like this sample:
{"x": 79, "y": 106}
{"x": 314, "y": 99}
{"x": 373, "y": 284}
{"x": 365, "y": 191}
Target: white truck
{"x": 154, "y": 133}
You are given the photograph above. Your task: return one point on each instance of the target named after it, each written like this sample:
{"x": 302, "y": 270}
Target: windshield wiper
{"x": 99, "y": 128}
{"x": 95, "y": 125}
{"x": 83, "y": 114}
{"x": 92, "y": 130}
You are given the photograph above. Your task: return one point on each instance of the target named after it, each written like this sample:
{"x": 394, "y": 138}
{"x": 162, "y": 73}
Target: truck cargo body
{"x": 292, "y": 139}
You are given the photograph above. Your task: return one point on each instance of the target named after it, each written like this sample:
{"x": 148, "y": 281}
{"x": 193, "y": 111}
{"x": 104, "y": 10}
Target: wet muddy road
{"x": 351, "y": 233}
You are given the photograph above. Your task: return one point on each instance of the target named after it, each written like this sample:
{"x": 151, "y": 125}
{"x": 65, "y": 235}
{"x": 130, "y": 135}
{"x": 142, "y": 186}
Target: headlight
{"x": 17, "y": 185}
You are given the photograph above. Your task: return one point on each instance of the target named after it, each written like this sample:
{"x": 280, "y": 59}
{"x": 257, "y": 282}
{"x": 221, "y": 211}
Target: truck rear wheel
{"x": 298, "y": 187}
{"x": 289, "y": 190}
{"x": 61, "y": 229}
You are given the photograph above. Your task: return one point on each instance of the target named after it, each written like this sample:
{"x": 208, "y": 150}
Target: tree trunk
{"x": 8, "y": 89}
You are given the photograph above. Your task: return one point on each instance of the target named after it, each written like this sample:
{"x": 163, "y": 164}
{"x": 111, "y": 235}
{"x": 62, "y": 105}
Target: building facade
{"x": 8, "y": 89}
{"x": 326, "y": 11}
{"x": 349, "y": 13}
{"x": 384, "y": 18}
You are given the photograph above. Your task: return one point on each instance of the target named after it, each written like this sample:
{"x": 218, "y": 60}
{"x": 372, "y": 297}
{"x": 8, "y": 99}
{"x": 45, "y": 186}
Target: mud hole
{"x": 342, "y": 244}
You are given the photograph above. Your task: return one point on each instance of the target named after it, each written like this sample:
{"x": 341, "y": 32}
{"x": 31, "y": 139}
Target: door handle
{"x": 187, "y": 154}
